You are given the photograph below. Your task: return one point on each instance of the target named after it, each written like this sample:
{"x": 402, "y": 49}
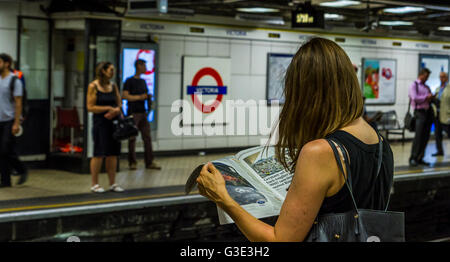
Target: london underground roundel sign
{"x": 195, "y": 89}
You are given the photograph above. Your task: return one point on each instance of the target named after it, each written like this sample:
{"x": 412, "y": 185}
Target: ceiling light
{"x": 258, "y": 10}
{"x": 333, "y": 17}
{"x": 274, "y": 20}
{"x": 396, "y": 23}
{"x": 340, "y": 3}
{"x": 444, "y": 28}
{"x": 404, "y": 10}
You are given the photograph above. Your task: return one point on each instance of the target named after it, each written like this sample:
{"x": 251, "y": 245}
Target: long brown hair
{"x": 99, "y": 68}
{"x": 322, "y": 94}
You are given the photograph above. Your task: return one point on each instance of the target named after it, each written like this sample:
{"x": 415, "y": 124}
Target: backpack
{"x": 24, "y": 95}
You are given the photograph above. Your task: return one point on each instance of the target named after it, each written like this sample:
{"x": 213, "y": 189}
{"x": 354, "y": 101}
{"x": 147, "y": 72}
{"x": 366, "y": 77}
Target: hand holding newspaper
{"x": 254, "y": 179}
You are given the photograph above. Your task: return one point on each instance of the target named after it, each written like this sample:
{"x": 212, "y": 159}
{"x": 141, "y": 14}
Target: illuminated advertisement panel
{"x": 130, "y": 55}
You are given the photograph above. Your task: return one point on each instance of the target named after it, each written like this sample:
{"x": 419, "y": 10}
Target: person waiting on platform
{"x": 103, "y": 99}
{"x": 323, "y": 100}
{"x": 136, "y": 92}
{"x": 10, "y": 122}
{"x": 444, "y": 105}
{"x": 421, "y": 97}
{"x": 437, "y": 123}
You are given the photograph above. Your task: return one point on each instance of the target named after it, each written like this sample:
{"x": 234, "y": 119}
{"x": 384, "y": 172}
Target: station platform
{"x": 54, "y": 205}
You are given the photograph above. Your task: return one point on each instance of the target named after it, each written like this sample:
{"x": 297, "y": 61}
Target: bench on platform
{"x": 389, "y": 124}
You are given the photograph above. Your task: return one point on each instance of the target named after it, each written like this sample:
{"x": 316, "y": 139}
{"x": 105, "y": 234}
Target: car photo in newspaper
{"x": 254, "y": 179}
{"x": 245, "y": 191}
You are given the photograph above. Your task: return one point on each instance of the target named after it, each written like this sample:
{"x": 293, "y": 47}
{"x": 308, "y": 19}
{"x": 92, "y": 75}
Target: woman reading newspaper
{"x": 323, "y": 100}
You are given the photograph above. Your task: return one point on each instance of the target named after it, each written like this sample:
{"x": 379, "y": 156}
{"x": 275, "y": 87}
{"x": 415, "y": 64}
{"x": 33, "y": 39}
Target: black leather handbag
{"x": 358, "y": 225}
{"x": 124, "y": 128}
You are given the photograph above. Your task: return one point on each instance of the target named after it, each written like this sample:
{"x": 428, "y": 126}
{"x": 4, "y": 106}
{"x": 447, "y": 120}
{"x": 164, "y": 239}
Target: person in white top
{"x": 437, "y": 123}
{"x": 10, "y": 118}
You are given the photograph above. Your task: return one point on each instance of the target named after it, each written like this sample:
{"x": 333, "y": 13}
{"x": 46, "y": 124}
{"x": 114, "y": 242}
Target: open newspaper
{"x": 254, "y": 179}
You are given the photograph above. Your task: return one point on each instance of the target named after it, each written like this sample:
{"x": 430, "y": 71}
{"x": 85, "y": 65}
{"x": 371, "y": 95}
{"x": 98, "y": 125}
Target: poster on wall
{"x": 129, "y": 57}
{"x": 436, "y": 64}
{"x": 206, "y": 82}
{"x": 277, "y": 65}
{"x": 379, "y": 80}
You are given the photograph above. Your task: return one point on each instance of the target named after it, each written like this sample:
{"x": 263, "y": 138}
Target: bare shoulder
{"x": 318, "y": 149}
{"x": 315, "y": 167}
{"x": 91, "y": 88}
{"x": 317, "y": 158}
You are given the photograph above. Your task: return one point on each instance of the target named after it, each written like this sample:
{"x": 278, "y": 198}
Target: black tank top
{"x": 105, "y": 99}
{"x": 368, "y": 192}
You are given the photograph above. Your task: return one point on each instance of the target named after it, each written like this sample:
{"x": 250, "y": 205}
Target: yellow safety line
{"x": 88, "y": 202}
{"x": 159, "y": 195}
{"x": 156, "y": 196}
{"x": 421, "y": 170}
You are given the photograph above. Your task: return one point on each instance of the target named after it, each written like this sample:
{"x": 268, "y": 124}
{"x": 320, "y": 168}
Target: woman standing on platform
{"x": 103, "y": 99}
{"x": 323, "y": 100}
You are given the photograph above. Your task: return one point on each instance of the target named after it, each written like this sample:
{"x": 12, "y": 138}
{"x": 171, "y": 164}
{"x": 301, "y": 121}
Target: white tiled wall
{"x": 248, "y": 72}
{"x": 9, "y": 10}
{"x": 248, "y": 80}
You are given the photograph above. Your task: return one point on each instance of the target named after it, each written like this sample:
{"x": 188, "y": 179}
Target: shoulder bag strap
{"x": 380, "y": 154}
{"x": 380, "y": 160}
{"x": 12, "y": 86}
{"x": 409, "y": 105}
{"x": 339, "y": 163}
{"x": 417, "y": 91}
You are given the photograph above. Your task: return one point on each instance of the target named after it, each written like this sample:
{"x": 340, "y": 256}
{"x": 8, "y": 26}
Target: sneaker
{"x": 132, "y": 166}
{"x": 116, "y": 188}
{"x": 154, "y": 165}
{"x": 97, "y": 189}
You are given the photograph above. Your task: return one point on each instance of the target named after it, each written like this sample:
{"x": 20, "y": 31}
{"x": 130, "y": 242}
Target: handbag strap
{"x": 339, "y": 163}
{"x": 348, "y": 180}
{"x": 417, "y": 91}
{"x": 409, "y": 105}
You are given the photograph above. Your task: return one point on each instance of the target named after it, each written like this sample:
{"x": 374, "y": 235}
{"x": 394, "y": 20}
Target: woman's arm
{"x": 91, "y": 101}
{"x": 315, "y": 173}
{"x": 115, "y": 111}
{"x": 118, "y": 97}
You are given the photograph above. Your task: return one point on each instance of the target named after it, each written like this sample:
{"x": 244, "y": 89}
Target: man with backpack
{"x": 11, "y": 93}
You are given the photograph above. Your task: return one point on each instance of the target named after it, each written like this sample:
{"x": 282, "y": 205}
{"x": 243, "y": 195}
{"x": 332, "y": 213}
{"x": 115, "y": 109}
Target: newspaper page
{"x": 271, "y": 173}
{"x": 246, "y": 191}
{"x": 254, "y": 179}
{"x": 243, "y": 188}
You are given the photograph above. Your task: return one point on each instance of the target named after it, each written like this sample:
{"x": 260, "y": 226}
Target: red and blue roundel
{"x": 219, "y": 90}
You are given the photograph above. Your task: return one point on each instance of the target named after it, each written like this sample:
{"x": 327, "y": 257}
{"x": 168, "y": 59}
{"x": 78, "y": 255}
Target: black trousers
{"x": 8, "y": 154}
{"x": 424, "y": 121}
